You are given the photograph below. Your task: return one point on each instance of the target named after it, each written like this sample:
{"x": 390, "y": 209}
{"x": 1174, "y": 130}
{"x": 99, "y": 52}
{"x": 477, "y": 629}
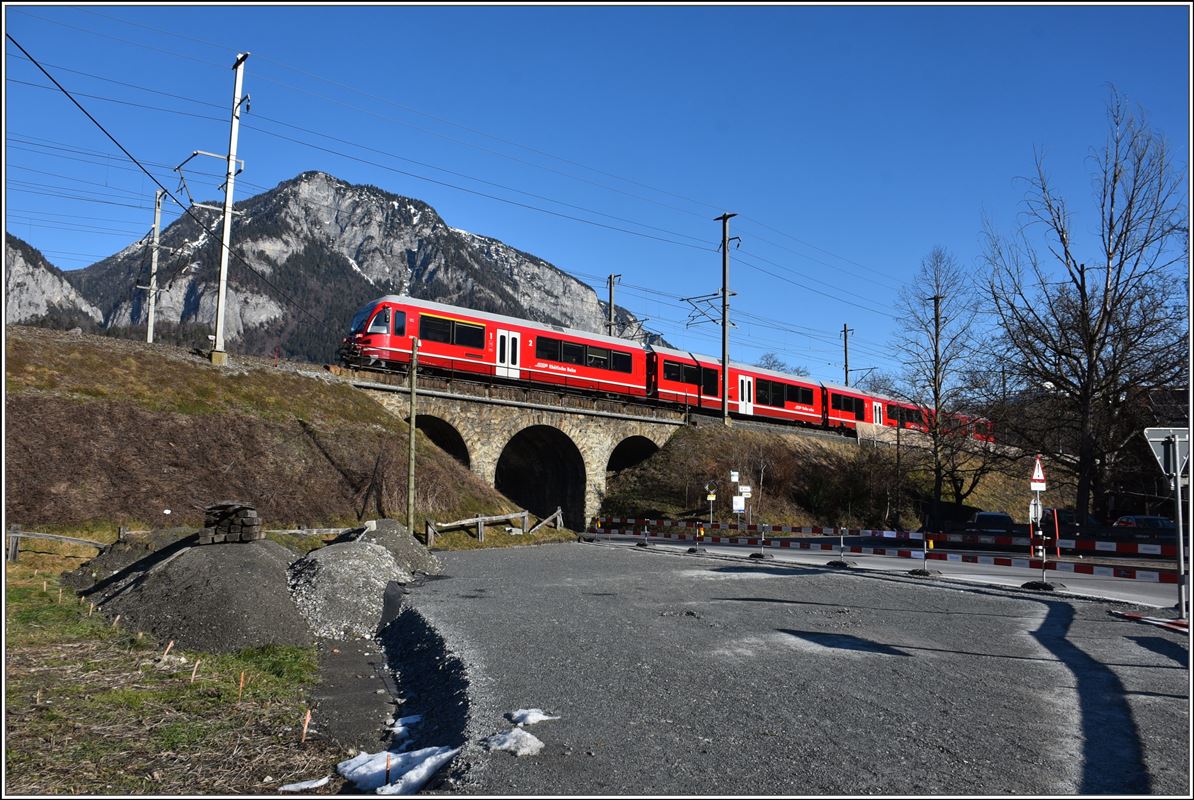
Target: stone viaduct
{"x": 542, "y": 449}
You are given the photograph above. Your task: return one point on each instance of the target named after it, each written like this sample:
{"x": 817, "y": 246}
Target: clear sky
{"x": 850, "y": 140}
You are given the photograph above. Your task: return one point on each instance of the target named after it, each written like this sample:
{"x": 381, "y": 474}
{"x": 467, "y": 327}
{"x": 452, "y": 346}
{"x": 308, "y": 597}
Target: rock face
{"x": 35, "y": 290}
{"x": 312, "y": 250}
{"x": 340, "y": 589}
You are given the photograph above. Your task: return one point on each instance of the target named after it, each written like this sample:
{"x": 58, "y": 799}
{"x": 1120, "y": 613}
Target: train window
{"x": 763, "y": 392}
{"x": 598, "y": 357}
{"x": 547, "y": 348}
{"x": 799, "y": 394}
{"x": 436, "y": 329}
{"x": 360, "y": 318}
{"x": 572, "y": 353}
{"x": 399, "y": 323}
{"x": 467, "y": 335}
{"x": 851, "y": 405}
{"x": 620, "y": 362}
{"x": 893, "y": 413}
{"x": 380, "y": 323}
{"x": 709, "y": 381}
{"x": 673, "y": 371}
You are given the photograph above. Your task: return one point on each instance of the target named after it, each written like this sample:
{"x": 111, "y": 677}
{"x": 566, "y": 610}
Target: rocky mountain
{"x": 309, "y": 252}
{"x": 35, "y": 291}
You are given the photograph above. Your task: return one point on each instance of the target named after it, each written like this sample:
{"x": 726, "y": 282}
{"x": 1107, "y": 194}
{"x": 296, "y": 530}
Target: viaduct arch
{"x": 539, "y": 456}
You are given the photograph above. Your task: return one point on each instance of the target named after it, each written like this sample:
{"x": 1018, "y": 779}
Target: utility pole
{"x": 725, "y": 318}
{"x": 218, "y": 355}
{"x": 152, "y": 288}
{"x": 609, "y": 326}
{"x": 410, "y": 457}
{"x": 935, "y": 426}
{"x": 846, "y": 350}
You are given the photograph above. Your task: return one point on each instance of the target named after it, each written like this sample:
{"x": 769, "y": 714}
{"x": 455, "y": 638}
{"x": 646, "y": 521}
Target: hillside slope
{"x": 802, "y": 480}
{"x": 101, "y": 431}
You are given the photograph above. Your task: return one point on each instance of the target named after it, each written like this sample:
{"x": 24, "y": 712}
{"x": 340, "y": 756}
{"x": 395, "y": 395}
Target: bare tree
{"x": 1087, "y": 327}
{"x": 772, "y": 361}
{"x": 938, "y": 310}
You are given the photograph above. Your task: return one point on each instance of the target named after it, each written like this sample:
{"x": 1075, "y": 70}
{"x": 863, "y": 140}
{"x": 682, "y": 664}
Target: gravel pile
{"x": 339, "y": 589}
{"x": 410, "y": 554}
{"x": 216, "y": 598}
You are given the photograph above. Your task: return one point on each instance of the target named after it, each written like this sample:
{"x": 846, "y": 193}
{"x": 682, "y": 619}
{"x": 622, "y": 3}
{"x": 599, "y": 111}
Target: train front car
{"x": 376, "y": 336}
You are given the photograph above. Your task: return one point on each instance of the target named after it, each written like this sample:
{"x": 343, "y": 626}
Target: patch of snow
{"x": 353, "y": 264}
{"x": 303, "y": 786}
{"x": 515, "y": 740}
{"x": 408, "y": 771}
{"x": 401, "y": 727}
{"x": 528, "y": 716}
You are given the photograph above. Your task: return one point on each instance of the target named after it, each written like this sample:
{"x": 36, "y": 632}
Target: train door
{"x": 507, "y": 354}
{"x": 877, "y": 410}
{"x": 746, "y": 394}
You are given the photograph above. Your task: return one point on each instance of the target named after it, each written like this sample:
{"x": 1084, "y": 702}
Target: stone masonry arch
{"x": 487, "y": 426}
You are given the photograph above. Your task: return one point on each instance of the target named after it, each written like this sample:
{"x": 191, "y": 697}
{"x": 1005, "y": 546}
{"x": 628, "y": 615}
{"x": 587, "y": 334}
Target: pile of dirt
{"x": 339, "y": 589}
{"x": 213, "y": 598}
{"x": 410, "y": 554}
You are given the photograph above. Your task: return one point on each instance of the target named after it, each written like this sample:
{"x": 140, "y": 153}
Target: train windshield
{"x": 361, "y": 317}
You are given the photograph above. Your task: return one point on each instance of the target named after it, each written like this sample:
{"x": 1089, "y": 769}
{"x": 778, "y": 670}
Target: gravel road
{"x": 684, "y": 674}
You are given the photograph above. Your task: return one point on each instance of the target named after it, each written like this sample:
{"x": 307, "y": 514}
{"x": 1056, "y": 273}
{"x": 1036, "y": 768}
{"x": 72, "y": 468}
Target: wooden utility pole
{"x": 410, "y": 458}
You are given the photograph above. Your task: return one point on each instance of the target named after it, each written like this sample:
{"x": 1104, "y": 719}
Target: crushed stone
{"x": 339, "y": 589}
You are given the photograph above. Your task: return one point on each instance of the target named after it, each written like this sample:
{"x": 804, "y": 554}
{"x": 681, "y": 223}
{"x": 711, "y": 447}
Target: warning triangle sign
{"x": 1038, "y": 476}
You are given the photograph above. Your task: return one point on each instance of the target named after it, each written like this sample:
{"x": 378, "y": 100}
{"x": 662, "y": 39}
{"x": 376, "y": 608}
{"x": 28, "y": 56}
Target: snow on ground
{"x": 407, "y": 771}
{"x": 528, "y": 716}
{"x": 516, "y": 740}
{"x": 303, "y": 786}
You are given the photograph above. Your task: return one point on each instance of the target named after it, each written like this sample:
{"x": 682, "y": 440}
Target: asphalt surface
{"x": 685, "y": 674}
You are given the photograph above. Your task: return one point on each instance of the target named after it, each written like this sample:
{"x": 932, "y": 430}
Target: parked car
{"x": 1068, "y": 518}
{"x": 990, "y": 522}
{"x": 1138, "y": 521}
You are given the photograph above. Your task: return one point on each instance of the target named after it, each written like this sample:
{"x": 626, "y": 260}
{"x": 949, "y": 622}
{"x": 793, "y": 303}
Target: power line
{"x": 151, "y": 177}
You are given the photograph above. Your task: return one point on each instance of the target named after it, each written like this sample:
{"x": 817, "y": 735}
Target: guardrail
{"x": 15, "y": 534}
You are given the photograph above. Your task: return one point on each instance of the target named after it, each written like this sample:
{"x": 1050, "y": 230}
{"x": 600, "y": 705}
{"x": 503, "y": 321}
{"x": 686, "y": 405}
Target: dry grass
{"x": 93, "y": 708}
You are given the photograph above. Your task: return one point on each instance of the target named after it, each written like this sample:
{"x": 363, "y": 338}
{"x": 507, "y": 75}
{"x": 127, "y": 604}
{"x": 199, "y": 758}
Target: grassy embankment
{"x": 802, "y": 480}
{"x": 93, "y": 708}
{"x": 102, "y": 433}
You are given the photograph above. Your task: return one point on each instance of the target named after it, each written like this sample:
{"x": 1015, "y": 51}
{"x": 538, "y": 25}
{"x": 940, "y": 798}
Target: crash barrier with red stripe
{"x": 1179, "y": 625}
{"x": 641, "y": 527}
{"x": 1076, "y": 545}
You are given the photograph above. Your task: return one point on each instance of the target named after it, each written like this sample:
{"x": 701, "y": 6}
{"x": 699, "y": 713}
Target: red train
{"x": 461, "y": 340}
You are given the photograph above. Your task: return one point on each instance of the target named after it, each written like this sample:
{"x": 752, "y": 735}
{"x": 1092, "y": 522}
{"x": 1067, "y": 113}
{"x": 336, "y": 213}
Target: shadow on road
{"x": 1165, "y": 647}
{"x": 1112, "y": 755}
{"x": 844, "y": 641}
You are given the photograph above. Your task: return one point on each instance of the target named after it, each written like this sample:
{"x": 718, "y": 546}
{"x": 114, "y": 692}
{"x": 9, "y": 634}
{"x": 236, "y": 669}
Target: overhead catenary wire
{"x": 167, "y": 192}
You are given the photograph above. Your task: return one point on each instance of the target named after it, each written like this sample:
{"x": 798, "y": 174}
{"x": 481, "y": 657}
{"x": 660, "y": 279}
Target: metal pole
{"x": 846, "y": 352}
{"x": 153, "y": 262}
{"x": 218, "y": 356}
{"x": 410, "y": 457}
{"x": 725, "y": 317}
{"x": 609, "y": 325}
{"x": 1182, "y": 595}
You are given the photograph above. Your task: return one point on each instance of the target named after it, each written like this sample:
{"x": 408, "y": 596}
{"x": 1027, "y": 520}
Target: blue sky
{"x": 850, "y": 140}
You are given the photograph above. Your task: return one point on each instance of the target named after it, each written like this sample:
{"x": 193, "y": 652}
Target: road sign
{"x": 710, "y": 497}
{"x": 744, "y": 491}
{"x": 1037, "y": 484}
{"x": 733, "y": 477}
{"x": 1034, "y": 510}
{"x": 739, "y": 504}
{"x": 1162, "y": 440}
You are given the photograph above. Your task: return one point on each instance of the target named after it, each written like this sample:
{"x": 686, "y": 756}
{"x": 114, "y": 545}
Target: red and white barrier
{"x": 1128, "y": 573}
{"x": 1078, "y": 545}
{"x": 1179, "y": 625}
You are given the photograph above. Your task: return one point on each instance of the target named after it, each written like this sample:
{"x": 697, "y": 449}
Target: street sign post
{"x": 1171, "y": 448}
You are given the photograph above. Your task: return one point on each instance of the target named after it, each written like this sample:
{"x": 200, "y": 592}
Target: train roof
{"x": 502, "y": 318}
